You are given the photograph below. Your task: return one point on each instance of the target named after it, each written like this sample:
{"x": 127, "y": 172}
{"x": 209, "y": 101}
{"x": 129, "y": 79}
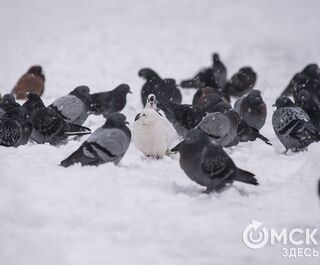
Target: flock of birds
{"x": 206, "y": 126}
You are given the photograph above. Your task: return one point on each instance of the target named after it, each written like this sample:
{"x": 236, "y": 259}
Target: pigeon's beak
{"x": 126, "y": 122}
{"x": 274, "y": 105}
{"x": 177, "y": 147}
{"x": 129, "y": 92}
{"x": 137, "y": 117}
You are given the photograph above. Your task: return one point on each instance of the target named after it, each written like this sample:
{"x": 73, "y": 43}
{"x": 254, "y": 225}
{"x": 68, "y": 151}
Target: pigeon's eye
{"x": 143, "y": 114}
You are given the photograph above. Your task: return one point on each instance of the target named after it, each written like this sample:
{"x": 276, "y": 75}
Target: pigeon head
{"x": 80, "y": 90}
{"x": 33, "y": 102}
{"x": 147, "y": 116}
{"x": 312, "y": 71}
{"x": 148, "y": 74}
{"x": 115, "y": 119}
{"x": 195, "y": 138}
{"x": 8, "y": 99}
{"x": 122, "y": 89}
{"x": 282, "y": 102}
{"x": 215, "y": 57}
{"x": 151, "y": 101}
{"x": 36, "y": 70}
{"x": 254, "y": 97}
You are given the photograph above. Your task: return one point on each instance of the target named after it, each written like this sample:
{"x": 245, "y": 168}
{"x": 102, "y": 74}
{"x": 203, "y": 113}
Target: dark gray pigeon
{"x": 293, "y": 126}
{"x": 48, "y": 125}
{"x": 252, "y": 109}
{"x": 107, "y": 144}
{"x": 183, "y": 117}
{"x": 7, "y": 102}
{"x": 228, "y": 129}
{"x": 15, "y": 129}
{"x": 310, "y": 104}
{"x": 241, "y": 82}
{"x": 208, "y": 164}
{"x": 164, "y": 89}
{"x": 75, "y": 106}
{"x": 110, "y": 101}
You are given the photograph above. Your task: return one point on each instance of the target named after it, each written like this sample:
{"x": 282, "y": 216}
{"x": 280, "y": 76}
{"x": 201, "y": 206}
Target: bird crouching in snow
{"x": 208, "y": 164}
{"x": 75, "y": 106}
{"x": 110, "y": 101}
{"x": 49, "y": 126}
{"x": 15, "y": 128}
{"x": 163, "y": 89}
{"x": 293, "y": 126}
{"x": 107, "y": 144}
{"x": 31, "y": 82}
{"x": 252, "y": 109}
{"x": 150, "y": 133}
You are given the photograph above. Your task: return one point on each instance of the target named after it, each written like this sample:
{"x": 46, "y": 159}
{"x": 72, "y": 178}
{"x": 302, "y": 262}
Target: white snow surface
{"x": 146, "y": 211}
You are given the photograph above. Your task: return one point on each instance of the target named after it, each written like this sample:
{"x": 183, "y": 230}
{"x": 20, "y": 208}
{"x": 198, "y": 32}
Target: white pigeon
{"x": 150, "y": 133}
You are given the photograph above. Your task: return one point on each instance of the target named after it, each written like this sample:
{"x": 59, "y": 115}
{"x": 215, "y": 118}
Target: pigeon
{"x": 150, "y": 133}
{"x": 220, "y": 127}
{"x": 310, "y": 105}
{"x": 208, "y": 164}
{"x": 75, "y": 106}
{"x": 151, "y": 102}
{"x": 107, "y": 144}
{"x": 163, "y": 89}
{"x": 228, "y": 129}
{"x": 110, "y": 101}
{"x": 293, "y": 125}
{"x": 49, "y": 126}
{"x": 241, "y": 82}
{"x": 252, "y": 109}
{"x": 7, "y": 103}
{"x": 215, "y": 76}
{"x": 309, "y": 74}
{"x": 31, "y": 82}
{"x": 15, "y": 129}
{"x": 183, "y": 117}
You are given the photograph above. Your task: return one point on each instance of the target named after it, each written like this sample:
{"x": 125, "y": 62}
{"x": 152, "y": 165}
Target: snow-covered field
{"x": 144, "y": 211}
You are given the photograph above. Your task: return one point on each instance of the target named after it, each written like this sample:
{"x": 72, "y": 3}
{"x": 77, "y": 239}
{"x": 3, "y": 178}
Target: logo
{"x": 256, "y": 236}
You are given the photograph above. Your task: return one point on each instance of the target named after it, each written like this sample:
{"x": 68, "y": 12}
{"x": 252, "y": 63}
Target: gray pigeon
{"x": 252, "y": 109}
{"x": 107, "y": 144}
{"x": 75, "y": 106}
{"x": 220, "y": 127}
{"x": 293, "y": 126}
{"x": 208, "y": 164}
{"x": 228, "y": 129}
{"x": 15, "y": 129}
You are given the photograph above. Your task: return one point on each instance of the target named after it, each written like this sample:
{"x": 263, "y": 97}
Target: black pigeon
{"x": 107, "y": 144}
{"x": 208, "y": 164}
{"x": 310, "y": 73}
{"x": 310, "y": 105}
{"x": 215, "y": 76}
{"x": 48, "y": 125}
{"x": 293, "y": 126}
{"x": 241, "y": 82}
{"x": 75, "y": 106}
{"x": 164, "y": 89}
{"x": 110, "y": 101}
{"x": 252, "y": 109}
{"x": 183, "y": 117}
{"x": 7, "y": 102}
{"x": 15, "y": 129}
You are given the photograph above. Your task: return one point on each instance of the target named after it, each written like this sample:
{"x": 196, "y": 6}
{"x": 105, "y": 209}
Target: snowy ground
{"x": 149, "y": 212}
